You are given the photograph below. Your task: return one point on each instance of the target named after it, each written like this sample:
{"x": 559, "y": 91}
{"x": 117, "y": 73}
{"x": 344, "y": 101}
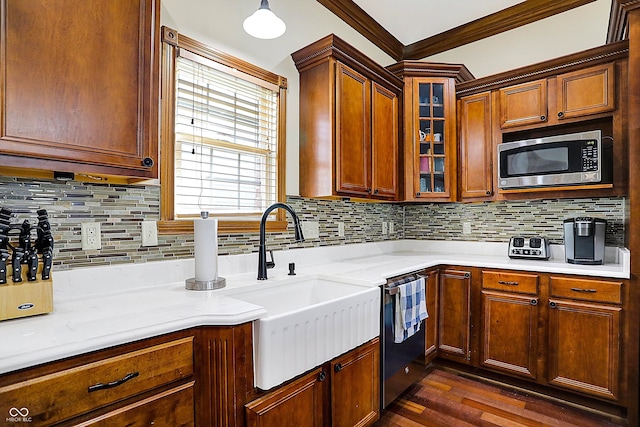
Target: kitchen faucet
{"x": 262, "y": 251}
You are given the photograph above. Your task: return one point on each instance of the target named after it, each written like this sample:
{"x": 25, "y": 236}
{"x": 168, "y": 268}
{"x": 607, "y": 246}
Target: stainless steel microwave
{"x": 572, "y": 159}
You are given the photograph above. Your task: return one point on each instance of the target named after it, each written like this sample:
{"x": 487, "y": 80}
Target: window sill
{"x": 224, "y": 227}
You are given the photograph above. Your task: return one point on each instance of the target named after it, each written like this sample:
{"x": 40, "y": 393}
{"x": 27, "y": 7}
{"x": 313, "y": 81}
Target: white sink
{"x": 308, "y": 322}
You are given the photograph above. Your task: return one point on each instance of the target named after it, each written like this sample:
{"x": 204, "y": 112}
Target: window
{"x": 222, "y": 138}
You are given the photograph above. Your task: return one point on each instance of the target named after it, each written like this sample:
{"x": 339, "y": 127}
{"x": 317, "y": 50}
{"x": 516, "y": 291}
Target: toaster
{"x": 529, "y": 247}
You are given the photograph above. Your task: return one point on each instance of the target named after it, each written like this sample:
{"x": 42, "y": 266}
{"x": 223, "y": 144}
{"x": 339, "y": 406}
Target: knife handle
{"x": 16, "y": 265}
{"x": 32, "y": 264}
{"x": 4, "y": 256}
{"x": 47, "y": 260}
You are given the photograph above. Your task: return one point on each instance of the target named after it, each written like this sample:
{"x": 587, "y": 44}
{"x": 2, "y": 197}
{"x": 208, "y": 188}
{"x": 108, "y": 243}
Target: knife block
{"x": 26, "y": 298}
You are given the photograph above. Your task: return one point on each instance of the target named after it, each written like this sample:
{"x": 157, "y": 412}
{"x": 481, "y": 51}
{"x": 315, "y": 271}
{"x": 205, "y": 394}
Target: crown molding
{"x": 520, "y": 14}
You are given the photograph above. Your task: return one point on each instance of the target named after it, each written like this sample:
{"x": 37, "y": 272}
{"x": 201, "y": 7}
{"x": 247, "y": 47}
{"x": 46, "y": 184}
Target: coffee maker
{"x": 584, "y": 240}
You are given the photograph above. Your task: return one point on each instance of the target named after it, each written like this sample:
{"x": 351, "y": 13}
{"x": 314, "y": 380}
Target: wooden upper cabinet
{"x": 384, "y": 141}
{"x": 585, "y": 92}
{"x": 572, "y": 95}
{"x": 349, "y": 135}
{"x": 476, "y": 146}
{"x": 79, "y": 86}
{"x": 353, "y": 135}
{"x": 523, "y": 104}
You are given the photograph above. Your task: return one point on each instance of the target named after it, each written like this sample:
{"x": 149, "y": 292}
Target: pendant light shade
{"x": 264, "y": 24}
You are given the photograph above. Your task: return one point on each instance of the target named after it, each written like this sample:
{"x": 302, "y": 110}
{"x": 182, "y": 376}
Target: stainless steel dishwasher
{"x": 402, "y": 364}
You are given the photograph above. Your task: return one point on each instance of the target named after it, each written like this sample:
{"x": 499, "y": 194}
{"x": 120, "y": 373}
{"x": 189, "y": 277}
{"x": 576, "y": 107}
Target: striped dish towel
{"x": 410, "y": 309}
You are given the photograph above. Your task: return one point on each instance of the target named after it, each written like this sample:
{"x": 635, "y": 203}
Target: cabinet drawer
{"x": 173, "y": 407}
{"x": 71, "y": 392}
{"x": 510, "y": 282}
{"x": 586, "y": 289}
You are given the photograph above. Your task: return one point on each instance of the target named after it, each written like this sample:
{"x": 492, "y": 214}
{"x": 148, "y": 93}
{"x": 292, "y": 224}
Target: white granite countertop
{"x": 99, "y": 307}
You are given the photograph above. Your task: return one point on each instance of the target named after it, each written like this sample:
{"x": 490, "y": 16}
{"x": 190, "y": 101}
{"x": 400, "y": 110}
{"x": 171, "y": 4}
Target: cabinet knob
{"x": 552, "y": 304}
{"x": 488, "y": 193}
{"x": 375, "y": 191}
{"x": 322, "y": 376}
{"x": 338, "y": 367}
{"x": 534, "y": 302}
{"x": 560, "y": 114}
{"x": 418, "y": 194}
{"x": 543, "y": 118}
{"x": 369, "y": 190}
{"x": 147, "y": 161}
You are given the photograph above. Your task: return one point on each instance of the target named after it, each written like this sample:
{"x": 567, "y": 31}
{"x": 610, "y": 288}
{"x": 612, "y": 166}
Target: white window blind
{"x": 226, "y": 139}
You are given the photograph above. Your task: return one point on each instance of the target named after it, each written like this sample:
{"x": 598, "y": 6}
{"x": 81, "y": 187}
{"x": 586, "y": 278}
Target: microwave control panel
{"x": 589, "y": 156}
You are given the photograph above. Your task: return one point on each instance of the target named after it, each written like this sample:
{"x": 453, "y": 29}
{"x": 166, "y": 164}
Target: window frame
{"x": 172, "y": 42}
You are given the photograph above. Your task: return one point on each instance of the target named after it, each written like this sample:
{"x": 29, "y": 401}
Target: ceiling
{"x": 416, "y": 29}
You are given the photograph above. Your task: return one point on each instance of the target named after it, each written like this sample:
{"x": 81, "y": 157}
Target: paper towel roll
{"x": 206, "y": 249}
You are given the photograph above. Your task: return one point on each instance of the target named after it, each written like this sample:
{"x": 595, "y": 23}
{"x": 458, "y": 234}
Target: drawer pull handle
{"x": 502, "y": 282}
{"x": 590, "y": 291}
{"x": 112, "y": 384}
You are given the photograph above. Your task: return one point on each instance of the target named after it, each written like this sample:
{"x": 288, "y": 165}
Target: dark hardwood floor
{"x": 445, "y": 399}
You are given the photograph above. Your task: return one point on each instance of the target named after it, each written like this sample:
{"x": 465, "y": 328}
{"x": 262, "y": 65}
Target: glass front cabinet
{"x": 430, "y": 139}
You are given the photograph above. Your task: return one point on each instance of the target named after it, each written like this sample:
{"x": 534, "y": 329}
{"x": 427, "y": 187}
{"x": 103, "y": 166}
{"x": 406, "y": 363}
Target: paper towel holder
{"x": 205, "y": 285}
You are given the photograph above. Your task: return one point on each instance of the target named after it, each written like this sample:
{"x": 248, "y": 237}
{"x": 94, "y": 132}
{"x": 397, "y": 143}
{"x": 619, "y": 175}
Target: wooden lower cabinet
{"x": 454, "y": 315}
{"x": 585, "y": 336}
{"x": 509, "y": 326}
{"x": 509, "y": 333}
{"x": 138, "y": 384}
{"x": 347, "y": 388}
{"x": 355, "y": 387}
{"x": 171, "y": 408}
{"x": 299, "y": 403}
{"x": 431, "y": 323}
{"x": 584, "y": 348}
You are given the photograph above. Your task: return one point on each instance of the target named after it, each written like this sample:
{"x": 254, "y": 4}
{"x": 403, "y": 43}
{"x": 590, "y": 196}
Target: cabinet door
{"x": 296, "y": 404}
{"x": 384, "y": 142}
{"x": 587, "y": 91}
{"x": 454, "y": 315}
{"x": 476, "y": 148}
{"x": 433, "y": 140}
{"x": 584, "y": 348}
{"x": 79, "y": 86}
{"x": 509, "y": 333}
{"x": 523, "y": 104}
{"x": 355, "y": 387}
{"x": 431, "y": 324}
{"x": 353, "y": 132}
{"x": 173, "y": 407}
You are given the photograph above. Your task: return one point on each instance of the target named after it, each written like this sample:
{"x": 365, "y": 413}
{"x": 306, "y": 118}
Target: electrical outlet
{"x": 341, "y": 229}
{"x": 385, "y": 227}
{"x": 392, "y": 227}
{"x": 91, "y": 236}
{"x": 149, "y": 233}
{"x": 466, "y": 228}
{"x": 310, "y": 229}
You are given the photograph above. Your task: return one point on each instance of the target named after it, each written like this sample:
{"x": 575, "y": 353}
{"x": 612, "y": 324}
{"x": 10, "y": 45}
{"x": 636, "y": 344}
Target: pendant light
{"x": 264, "y": 24}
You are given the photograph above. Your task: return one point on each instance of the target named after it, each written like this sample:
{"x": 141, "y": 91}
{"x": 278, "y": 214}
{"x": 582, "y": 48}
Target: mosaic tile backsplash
{"x": 121, "y": 208}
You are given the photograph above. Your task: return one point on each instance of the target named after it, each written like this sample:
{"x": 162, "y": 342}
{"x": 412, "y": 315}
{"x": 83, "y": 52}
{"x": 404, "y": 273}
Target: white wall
{"x": 578, "y": 29}
{"x": 218, "y": 23}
